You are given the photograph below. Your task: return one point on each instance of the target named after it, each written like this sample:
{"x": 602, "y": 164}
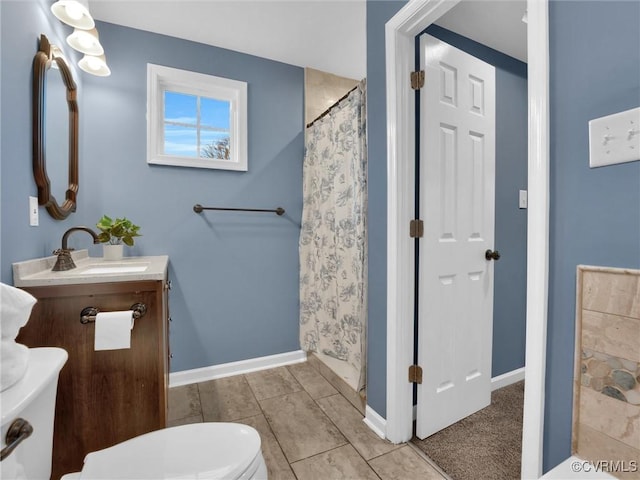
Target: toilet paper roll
{"x": 113, "y": 330}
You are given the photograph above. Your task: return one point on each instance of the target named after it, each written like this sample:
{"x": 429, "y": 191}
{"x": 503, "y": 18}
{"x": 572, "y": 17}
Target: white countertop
{"x": 38, "y": 273}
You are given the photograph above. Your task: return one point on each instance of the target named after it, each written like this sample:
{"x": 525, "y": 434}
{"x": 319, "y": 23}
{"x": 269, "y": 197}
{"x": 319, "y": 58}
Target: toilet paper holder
{"x": 88, "y": 314}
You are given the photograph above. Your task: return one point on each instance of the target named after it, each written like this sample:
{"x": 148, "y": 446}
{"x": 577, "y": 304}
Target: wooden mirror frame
{"x": 42, "y": 62}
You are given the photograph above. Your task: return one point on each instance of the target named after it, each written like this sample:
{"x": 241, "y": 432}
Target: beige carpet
{"x": 485, "y": 445}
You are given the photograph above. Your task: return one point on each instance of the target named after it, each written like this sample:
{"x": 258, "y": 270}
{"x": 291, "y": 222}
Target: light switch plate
{"x": 523, "y": 199}
{"x": 33, "y": 212}
{"x": 615, "y": 138}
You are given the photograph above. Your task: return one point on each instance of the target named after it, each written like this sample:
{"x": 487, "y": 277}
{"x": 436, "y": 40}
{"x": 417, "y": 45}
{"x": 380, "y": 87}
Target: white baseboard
{"x": 185, "y": 377}
{"x": 375, "y": 422}
{"x": 507, "y": 379}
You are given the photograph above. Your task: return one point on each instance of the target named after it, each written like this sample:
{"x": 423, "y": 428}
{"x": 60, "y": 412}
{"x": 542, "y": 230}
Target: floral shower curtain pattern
{"x": 333, "y": 242}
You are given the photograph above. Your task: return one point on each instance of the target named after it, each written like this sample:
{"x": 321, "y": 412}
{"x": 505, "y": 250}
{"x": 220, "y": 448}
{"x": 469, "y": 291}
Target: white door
{"x": 457, "y": 184}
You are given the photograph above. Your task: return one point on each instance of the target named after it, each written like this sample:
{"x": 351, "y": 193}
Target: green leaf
{"x": 104, "y": 237}
{"x": 113, "y": 231}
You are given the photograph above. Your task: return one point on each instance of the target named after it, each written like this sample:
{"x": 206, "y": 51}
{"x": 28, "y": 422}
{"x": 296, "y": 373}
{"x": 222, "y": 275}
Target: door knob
{"x": 492, "y": 255}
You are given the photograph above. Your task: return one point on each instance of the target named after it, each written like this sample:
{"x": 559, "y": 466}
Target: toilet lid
{"x": 196, "y": 451}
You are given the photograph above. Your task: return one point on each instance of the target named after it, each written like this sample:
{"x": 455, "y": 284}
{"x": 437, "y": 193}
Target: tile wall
{"x": 321, "y": 90}
{"x": 606, "y": 418}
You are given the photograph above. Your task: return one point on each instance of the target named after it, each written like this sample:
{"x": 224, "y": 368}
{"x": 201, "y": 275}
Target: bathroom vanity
{"x": 104, "y": 397}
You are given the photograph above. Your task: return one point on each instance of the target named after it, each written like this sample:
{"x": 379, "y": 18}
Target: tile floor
{"x": 308, "y": 429}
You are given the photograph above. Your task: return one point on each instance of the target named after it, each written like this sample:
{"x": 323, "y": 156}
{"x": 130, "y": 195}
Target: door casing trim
{"x": 400, "y": 32}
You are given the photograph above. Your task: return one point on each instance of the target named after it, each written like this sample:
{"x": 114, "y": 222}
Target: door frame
{"x": 400, "y": 32}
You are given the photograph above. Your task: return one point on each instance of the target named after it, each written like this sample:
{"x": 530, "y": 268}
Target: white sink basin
{"x": 101, "y": 268}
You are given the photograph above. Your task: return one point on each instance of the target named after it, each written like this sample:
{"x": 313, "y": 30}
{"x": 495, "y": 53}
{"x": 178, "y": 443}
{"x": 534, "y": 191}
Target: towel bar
{"x": 278, "y": 211}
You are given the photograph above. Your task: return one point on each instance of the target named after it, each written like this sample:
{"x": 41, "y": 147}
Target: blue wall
{"x": 595, "y": 213}
{"x": 510, "y": 287}
{"x": 378, "y": 13}
{"x": 235, "y": 276}
{"x": 22, "y": 24}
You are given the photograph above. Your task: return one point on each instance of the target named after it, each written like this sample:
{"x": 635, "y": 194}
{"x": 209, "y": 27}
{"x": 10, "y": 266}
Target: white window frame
{"x": 161, "y": 79}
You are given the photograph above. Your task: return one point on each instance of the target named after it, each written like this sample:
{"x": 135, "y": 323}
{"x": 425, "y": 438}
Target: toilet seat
{"x": 196, "y": 451}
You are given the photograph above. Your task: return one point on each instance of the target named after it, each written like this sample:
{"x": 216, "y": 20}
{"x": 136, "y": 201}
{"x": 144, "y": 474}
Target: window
{"x": 195, "y": 120}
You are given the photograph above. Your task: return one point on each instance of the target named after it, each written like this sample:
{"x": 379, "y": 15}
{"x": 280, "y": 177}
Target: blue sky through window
{"x": 196, "y": 126}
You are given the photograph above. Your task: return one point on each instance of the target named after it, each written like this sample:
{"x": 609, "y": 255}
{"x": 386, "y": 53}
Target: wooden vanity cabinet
{"x": 104, "y": 397}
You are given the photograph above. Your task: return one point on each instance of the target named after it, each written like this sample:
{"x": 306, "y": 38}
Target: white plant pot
{"x": 112, "y": 252}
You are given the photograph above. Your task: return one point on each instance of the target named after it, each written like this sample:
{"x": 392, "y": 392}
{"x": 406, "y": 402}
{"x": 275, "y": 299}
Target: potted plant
{"x": 115, "y": 233}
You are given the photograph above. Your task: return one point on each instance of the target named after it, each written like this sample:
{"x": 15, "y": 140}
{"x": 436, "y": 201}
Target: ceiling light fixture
{"x": 95, "y": 65}
{"x": 74, "y": 13}
{"x": 85, "y": 37}
{"x": 85, "y": 41}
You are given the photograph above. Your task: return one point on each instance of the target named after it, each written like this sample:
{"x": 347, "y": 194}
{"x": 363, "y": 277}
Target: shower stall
{"x": 333, "y": 239}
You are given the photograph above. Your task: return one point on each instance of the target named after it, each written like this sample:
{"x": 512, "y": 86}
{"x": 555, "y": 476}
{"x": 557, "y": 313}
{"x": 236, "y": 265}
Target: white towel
{"x": 15, "y": 309}
{"x": 14, "y": 358}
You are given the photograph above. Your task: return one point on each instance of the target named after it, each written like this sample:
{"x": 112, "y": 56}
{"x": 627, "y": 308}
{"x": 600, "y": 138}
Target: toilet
{"x": 197, "y": 451}
{"x": 32, "y": 398}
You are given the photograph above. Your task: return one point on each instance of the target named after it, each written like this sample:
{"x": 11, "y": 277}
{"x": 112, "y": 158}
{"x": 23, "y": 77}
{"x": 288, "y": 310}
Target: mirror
{"x": 55, "y": 138}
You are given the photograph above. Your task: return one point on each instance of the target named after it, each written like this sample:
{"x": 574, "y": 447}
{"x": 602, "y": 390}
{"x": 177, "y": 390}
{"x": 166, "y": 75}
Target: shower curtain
{"x": 333, "y": 241}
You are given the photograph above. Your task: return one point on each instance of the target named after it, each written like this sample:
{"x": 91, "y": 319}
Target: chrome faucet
{"x": 64, "y": 261}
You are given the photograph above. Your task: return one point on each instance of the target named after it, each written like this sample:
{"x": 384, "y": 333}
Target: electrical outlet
{"x": 523, "y": 199}
{"x": 33, "y": 212}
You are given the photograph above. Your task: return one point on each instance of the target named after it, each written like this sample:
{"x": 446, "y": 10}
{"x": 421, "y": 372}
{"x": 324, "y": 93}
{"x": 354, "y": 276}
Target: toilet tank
{"x": 32, "y": 398}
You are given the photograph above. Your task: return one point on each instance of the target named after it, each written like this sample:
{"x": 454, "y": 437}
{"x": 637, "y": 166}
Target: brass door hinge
{"x": 416, "y": 228}
{"x": 417, "y": 80}
{"x": 415, "y": 374}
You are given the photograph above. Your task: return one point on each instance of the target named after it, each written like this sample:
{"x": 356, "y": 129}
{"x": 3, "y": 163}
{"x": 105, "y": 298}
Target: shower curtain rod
{"x": 332, "y": 106}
